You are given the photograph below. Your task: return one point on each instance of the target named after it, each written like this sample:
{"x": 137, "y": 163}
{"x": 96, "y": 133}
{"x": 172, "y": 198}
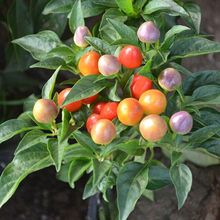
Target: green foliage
{"x": 134, "y": 179}
{"x": 127, "y": 163}
{"x": 181, "y": 177}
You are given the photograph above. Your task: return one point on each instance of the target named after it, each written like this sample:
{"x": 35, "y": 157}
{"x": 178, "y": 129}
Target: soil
{"x": 41, "y": 197}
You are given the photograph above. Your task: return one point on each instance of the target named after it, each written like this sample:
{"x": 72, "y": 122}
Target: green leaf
{"x": 76, "y": 18}
{"x": 11, "y": 128}
{"x": 51, "y": 63}
{"x": 158, "y": 177}
{"x": 149, "y": 194}
{"x": 181, "y": 177}
{"x": 30, "y": 139}
{"x": 175, "y": 157}
{"x": 62, "y": 175}
{"x": 39, "y": 44}
{"x": 212, "y": 146}
{"x": 198, "y": 79}
{"x": 47, "y": 91}
{"x": 204, "y": 93}
{"x": 128, "y": 146}
{"x": 85, "y": 141}
{"x": 67, "y": 127}
{"x": 204, "y": 134}
{"x": 164, "y": 5}
{"x": 101, "y": 45}
{"x": 201, "y": 157}
{"x": 194, "y": 15}
{"x": 24, "y": 163}
{"x": 126, "y": 33}
{"x": 58, "y": 6}
{"x": 90, "y": 189}
{"x": 90, "y": 9}
{"x": 74, "y": 151}
{"x": 64, "y": 52}
{"x": 181, "y": 69}
{"x": 56, "y": 150}
{"x": 54, "y": 22}
{"x": 126, "y": 6}
{"x": 81, "y": 90}
{"x": 106, "y": 31}
{"x": 131, "y": 183}
{"x": 77, "y": 169}
{"x": 193, "y": 46}
{"x": 106, "y": 3}
{"x": 209, "y": 117}
{"x": 139, "y": 4}
{"x": 171, "y": 34}
{"x": 99, "y": 170}
{"x": 112, "y": 93}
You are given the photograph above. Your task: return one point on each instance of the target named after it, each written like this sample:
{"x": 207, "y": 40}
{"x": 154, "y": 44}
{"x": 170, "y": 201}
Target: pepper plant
{"x": 129, "y": 95}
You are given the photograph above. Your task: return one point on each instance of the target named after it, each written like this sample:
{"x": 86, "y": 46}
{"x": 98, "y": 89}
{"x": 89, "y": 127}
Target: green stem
{"x": 54, "y": 128}
{"x": 179, "y": 91}
{"x": 152, "y": 153}
{"x": 156, "y": 47}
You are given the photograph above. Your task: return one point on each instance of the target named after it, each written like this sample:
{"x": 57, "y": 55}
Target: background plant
{"x": 200, "y": 98}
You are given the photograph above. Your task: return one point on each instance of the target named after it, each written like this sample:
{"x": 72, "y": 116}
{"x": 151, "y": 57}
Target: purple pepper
{"x": 181, "y": 122}
{"x": 79, "y": 36}
{"x": 170, "y": 79}
{"x": 148, "y": 32}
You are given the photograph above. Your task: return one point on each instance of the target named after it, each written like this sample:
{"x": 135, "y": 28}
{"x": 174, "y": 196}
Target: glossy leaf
{"x": 131, "y": 183}
{"x": 112, "y": 93}
{"x": 201, "y": 157}
{"x": 48, "y": 88}
{"x": 56, "y": 150}
{"x": 75, "y": 151}
{"x": 99, "y": 170}
{"x": 106, "y": 3}
{"x": 181, "y": 177}
{"x": 90, "y": 9}
{"x": 194, "y": 17}
{"x": 101, "y": 45}
{"x": 84, "y": 140}
{"x": 158, "y": 177}
{"x": 164, "y": 5}
{"x": 11, "y": 128}
{"x": 81, "y": 89}
{"x": 39, "y": 44}
{"x": 127, "y": 34}
{"x": 58, "y": 6}
{"x": 126, "y": 6}
{"x": 30, "y": 139}
{"x": 193, "y": 46}
{"x": 128, "y": 146}
{"x": 204, "y": 134}
{"x": 90, "y": 189}
{"x": 206, "y": 92}
{"x": 76, "y": 18}
{"x": 107, "y": 32}
{"x": 201, "y": 79}
{"x": 171, "y": 34}
{"x": 77, "y": 169}
{"x": 24, "y": 163}
{"x": 51, "y": 63}
{"x": 212, "y": 146}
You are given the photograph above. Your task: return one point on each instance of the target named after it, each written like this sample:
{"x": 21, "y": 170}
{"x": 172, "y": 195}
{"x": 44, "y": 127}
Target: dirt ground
{"x": 42, "y": 197}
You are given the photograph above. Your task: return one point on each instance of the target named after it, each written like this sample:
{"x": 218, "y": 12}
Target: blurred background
{"x": 41, "y": 196}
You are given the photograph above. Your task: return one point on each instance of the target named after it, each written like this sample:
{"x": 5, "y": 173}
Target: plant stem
{"x": 179, "y": 91}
